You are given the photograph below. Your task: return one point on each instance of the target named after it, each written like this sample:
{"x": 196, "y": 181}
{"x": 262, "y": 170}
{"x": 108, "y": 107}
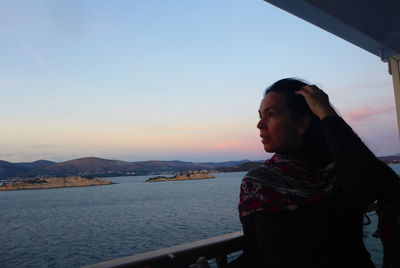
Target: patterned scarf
{"x": 284, "y": 183}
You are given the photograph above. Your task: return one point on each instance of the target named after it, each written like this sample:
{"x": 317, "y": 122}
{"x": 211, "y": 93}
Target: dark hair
{"x": 315, "y": 147}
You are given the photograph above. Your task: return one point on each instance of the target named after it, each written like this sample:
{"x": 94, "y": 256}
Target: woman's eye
{"x": 271, "y": 114}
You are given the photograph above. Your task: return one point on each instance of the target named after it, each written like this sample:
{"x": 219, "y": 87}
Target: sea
{"x": 72, "y": 227}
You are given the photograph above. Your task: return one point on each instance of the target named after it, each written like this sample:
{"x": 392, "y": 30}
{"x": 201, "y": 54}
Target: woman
{"x": 303, "y": 207}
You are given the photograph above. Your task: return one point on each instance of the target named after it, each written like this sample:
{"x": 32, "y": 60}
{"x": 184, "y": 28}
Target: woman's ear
{"x": 303, "y": 124}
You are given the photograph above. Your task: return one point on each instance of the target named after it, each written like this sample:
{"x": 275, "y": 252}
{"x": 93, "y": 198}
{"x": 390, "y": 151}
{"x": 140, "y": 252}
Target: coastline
{"x": 54, "y": 182}
{"x": 184, "y": 176}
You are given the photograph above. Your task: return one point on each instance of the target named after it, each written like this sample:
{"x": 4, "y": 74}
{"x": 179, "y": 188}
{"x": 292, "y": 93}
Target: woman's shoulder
{"x": 260, "y": 173}
{"x": 259, "y": 169}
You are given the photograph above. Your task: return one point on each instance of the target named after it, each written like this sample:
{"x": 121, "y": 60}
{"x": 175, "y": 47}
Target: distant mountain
{"x": 93, "y": 166}
{"x": 36, "y": 164}
{"x": 99, "y": 167}
{"x": 226, "y": 164}
{"x": 87, "y": 165}
{"x": 8, "y": 169}
{"x": 390, "y": 158}
{"x": 242, "y": 167}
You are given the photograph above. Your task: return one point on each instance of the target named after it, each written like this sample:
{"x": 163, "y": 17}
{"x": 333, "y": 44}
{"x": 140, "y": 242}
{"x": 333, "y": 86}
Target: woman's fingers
{"x": 317, "y": 100}
{"x": 202, "y": 263}
{"x": 310, "y": 89}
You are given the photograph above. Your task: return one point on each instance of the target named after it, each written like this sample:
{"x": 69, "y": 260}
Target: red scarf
{"x": 284, "y": 183}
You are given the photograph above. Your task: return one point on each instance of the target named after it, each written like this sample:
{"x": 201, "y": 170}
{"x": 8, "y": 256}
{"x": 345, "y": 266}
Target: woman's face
{"x": 278, "y": 131}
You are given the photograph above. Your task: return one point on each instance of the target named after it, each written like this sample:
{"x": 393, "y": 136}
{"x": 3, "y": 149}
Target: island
{"x": 45, "y": 183}
{"x": 183, "y": 176}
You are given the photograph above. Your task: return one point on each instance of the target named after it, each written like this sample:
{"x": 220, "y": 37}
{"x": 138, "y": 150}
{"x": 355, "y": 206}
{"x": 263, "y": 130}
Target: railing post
{"x": 395, "y": 72}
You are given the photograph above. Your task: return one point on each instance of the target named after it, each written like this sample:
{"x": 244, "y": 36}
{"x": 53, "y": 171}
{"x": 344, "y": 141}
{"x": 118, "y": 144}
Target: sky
{"x": 169, "y": 80}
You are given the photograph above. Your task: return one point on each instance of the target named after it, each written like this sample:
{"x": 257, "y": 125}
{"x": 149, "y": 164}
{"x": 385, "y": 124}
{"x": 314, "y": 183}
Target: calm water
{"x": 70, "y": 227}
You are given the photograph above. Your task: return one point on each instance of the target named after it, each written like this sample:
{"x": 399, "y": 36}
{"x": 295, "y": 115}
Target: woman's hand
{"x": 202, "y": 263}
{"x": 317, "y": 100}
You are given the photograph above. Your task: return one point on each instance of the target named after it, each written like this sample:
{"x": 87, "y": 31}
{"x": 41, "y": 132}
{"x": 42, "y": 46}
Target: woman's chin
{"x": 269, "y": 149}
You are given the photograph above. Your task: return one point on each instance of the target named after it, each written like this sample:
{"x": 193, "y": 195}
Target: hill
{"x": 390, "y": 159}
{"x": 99, "y": 167}
{"x": 242, "y": 167}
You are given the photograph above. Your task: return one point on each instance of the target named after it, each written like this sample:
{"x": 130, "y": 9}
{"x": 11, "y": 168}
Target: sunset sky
{"x": 169, "y": 80}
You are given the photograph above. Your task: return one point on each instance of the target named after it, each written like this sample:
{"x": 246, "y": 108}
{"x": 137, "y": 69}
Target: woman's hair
{"x": 315, "y": 147}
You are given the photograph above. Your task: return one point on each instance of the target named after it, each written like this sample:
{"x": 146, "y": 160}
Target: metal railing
{"x": 217, "y": 247}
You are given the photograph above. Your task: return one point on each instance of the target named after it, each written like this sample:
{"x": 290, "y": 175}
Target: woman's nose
{"x": 260, "y": 124}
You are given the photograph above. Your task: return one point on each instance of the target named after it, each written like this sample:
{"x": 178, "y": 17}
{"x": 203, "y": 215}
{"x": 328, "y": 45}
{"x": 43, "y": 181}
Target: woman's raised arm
{"x": 364, "y": 178}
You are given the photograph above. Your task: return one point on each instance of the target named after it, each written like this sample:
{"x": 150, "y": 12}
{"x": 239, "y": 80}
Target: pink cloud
{"x": 367, "y": 113}
{"x": 363, "y": 85}
{"x": 237, "y": 145}
{"x": 228, "y": 145}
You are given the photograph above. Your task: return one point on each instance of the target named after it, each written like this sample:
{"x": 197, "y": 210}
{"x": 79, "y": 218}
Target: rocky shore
{"x": 183, "y": 176}
{"x": 45, "y": 183}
